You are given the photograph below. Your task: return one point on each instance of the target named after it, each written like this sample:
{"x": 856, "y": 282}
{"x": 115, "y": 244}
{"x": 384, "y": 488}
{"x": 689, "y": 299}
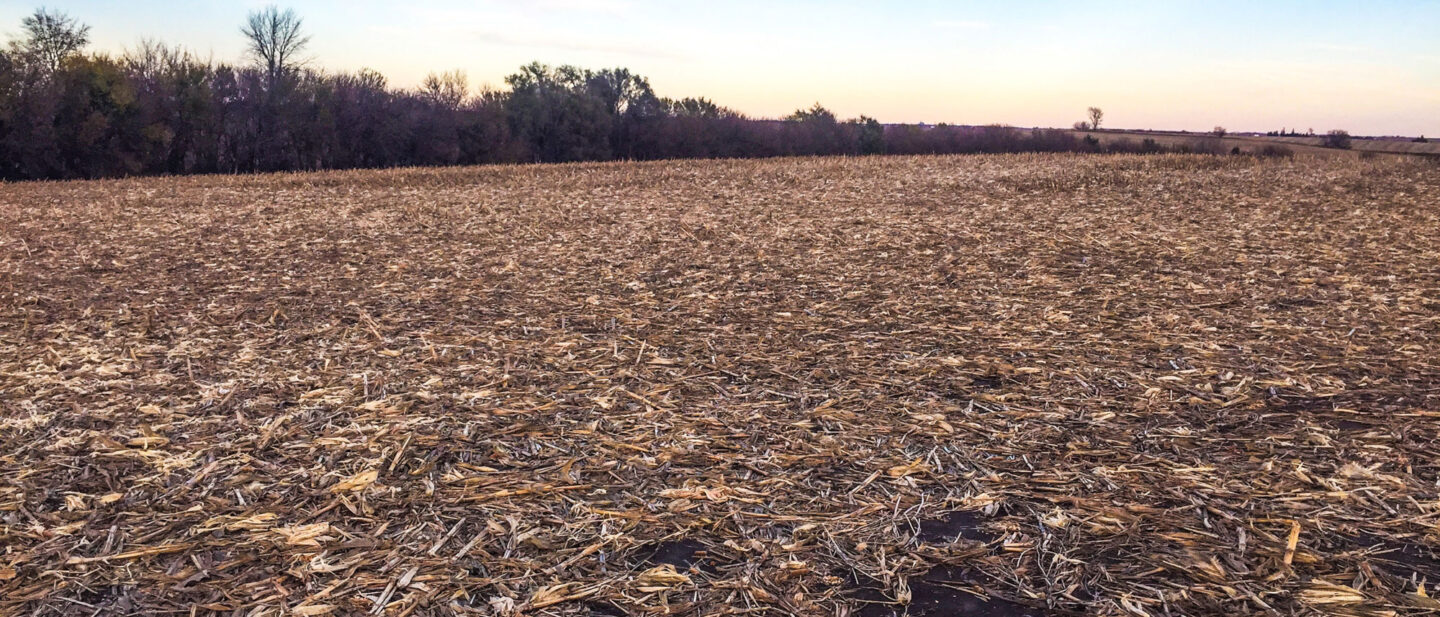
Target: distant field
{"x": 1000, "y": 385}
{"x": 1250, "y": 144}
{"x": 1371, "y": 145}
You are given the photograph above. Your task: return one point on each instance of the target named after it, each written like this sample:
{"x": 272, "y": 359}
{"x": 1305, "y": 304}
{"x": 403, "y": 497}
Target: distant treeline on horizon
{"x": 156, "y": 109}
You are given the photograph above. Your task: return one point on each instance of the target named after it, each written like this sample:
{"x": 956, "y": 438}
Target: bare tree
{"x": 276, "y": 40}
{"x": 1219, "y": 131}
{"x": 50, "y": 38}
{"x": 151, "y": 57}
{"x": 448, "y": 89}
{"x": 1095, "y": 116}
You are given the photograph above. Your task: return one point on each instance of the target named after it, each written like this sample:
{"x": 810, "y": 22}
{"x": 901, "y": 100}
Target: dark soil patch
{"x": 1298, "y": 404}
{"x": 942, "y": 592}
{"x": 606, "y": 609}
{"x": 683, "y": 554}
{"x": 1369, "y": 404}
{"x": 957, "y": 525}
{"x": 1400, "y": 556}
{"x": 106, "y": 599}
{"x": 1352, "y": 425}
{"x": 984, "y": 382}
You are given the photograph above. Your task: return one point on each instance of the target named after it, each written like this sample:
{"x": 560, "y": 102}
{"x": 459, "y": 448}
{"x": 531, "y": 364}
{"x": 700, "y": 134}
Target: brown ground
{"x": 1249, "y": 144}
{"x": 1007, "y": 385}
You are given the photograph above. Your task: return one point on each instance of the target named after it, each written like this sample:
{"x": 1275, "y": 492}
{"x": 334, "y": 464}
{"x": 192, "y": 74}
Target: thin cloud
{"x": 962, "y": 24}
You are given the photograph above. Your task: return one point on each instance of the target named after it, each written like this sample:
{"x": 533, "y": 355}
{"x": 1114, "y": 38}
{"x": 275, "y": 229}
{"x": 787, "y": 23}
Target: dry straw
{"x": 1020, "y": 384}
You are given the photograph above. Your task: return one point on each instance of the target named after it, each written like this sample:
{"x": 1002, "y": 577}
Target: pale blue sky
{"x": 1371, "y": 67}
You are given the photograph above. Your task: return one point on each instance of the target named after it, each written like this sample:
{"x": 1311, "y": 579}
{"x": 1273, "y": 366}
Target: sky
{"x": 1371, "y": 67}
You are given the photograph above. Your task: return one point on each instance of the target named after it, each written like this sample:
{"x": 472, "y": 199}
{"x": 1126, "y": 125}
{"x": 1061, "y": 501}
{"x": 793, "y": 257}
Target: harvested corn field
{"x": 998, "y": 385}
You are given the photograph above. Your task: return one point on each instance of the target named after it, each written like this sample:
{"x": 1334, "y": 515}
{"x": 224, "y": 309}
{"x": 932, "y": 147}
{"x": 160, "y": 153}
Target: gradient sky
{"x": 1372, "y": 67}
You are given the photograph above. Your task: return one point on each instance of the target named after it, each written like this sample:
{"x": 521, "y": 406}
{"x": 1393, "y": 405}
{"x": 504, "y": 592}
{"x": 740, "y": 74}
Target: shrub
{"x": 1208, "y": 145}
{"x": 1082, "y": 126}
{"x": 1421, "y": 140}
{"x": 1337, "y": 139}
{"x": 1122, "y": 146}
{"x": 1272, "y": 151}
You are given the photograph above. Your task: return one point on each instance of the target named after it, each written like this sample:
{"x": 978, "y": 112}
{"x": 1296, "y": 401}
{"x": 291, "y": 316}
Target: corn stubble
{"x": 1042, "y": 384}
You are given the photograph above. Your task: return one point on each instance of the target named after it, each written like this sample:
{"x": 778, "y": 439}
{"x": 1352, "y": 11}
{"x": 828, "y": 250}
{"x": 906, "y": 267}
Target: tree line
{"x": 159, "y": 109}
